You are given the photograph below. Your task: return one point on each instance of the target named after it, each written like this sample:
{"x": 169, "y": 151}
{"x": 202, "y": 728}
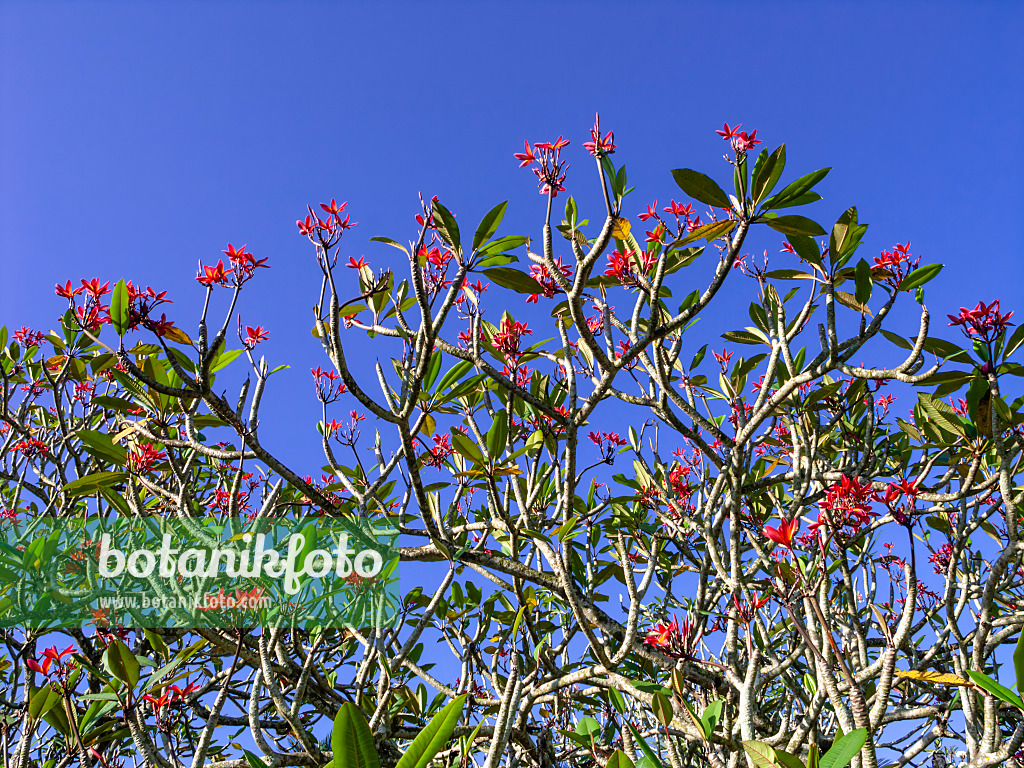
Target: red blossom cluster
{"x": 141, "y": 460}
{"x": 672, "y": 639}
{"x": 597, "y": 146}
{"x": 254, "y": 336}
{"x": 509, "y": 336}
{"x": 326, "y": 232}
{"x": 550, "y": 170}
{"x": 741, "y": 141}
{"x": 28, "y": 338}
{"x": 329, "y": 386}
{"x": 846, "y": 507}
{"x": 436, "y": 456}
{"x": 942, "y": 558}
{"x": 29, "y": 447}
{"x": 170, "y": 695}
{"x": 540, "y": 273}
{"x": 51, "y": 656}
{"x": 985, "y": 322}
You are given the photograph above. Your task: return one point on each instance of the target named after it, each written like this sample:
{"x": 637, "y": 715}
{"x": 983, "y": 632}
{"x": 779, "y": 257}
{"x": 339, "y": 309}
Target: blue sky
{"x": 137, "y": 139}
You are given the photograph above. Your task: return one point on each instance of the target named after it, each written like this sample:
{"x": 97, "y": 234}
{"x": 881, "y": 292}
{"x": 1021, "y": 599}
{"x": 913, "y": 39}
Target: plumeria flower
{"x": 597, "y": 146}
{"x": 254, "y": 336}
{"x": 784, "y": 534}
{"x": 210, "y": 276}
{"x": 48, "y": 657}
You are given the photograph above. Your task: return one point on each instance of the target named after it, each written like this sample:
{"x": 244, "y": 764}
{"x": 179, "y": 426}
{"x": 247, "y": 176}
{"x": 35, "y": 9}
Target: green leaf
{"x": 351, "y": 740}
{"x": 795, "y": 225}
{"x": 644, "y": 747}
{"x": 862, "y": 278}
{"x": 90, "y": 484}
{"x": 254, "y": 761}
{"x": 390, "y": 242}
{"x": 920, "y": 276}
{"x": 844, "y": 749}
{"x": 506, "y": 243}
{"x": 846, "y": 235}
{"x": 101, "y": 445}
{"x": 788, "y": 760}
{"x": 796, "y": 190}
{"x": 619, "y": 759}
{"x": 706, "y": 232}
{"x": 42, "y": 701}
{"x": 760, "y": 754}
{"x": 701, "y": 188}
{"x": 806, "y": 249}
{"x": 1018, "y": 662}
{"x": 767, "y": 174}
{"x": 849, "y": 300}
{"x": 455, "y": 374}
{"x": 513, "y": 279}
{"x": 446, "y": 226}
{"x": 120, "y": 662}
{"x": 497, "y": 435}
{"x": 433, "y": 368}
{"x": 710, "y": 716}
{"x": 434, "y": 736}
{"x": 466, "y": 447}
{"x": 662, "y": 709}
{"x": 120, "y": 303}
{"x": 224, "y": 359}
{"x": 587, "y": 727}
{"x": 996, "y": 689}
{"x": 489, "y": 224}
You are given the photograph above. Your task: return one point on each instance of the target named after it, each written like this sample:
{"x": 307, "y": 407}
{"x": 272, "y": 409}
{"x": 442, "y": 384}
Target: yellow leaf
{"x": 621, "y": 228}
{"x": 177, "y": 335}
{"x": 936, "y": 678}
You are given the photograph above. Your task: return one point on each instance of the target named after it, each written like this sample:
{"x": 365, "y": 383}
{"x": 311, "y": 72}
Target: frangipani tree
{"x": 785, "y": 573}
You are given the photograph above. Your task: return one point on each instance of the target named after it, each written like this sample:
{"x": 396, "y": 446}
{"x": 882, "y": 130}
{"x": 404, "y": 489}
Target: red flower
{"x": 214, "y": 275}
{"x": 784, "y": 533}
{"x": 985, "y": 322}
{"x": 651, "y": 212}
{"x": 333, "y": 208}
{"x": 94, "y": 289}
{"x": 678, "y": 209}
{"x": 509, "y": 335}
{"x": 727, "y": 133}
{"x": 353, "y": 264}
{"x": 142, "y": 460}
{"x": 66, "y": 291}
{"x": 741, "y": 142}
{"x": 597, "y": 146}
{"x": 254, "y": 336}
{"x": 48, "y": 657}
{"x": 526, "y": 156}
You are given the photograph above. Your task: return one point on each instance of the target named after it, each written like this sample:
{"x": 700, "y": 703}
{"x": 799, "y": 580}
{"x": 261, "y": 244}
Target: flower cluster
{"x": 741, "y": 141}
{"x": 509, "y": 336}
{"x": 846, "y": 507}
{"x": 550, "y": 169}
{"x": 540, "y": 273}
{"x": 141, "y": 460}
{"x": 436, "y": 456}
{"x": 672, "y": 639}
{"x": 326, "y": 232}
{"x": 28, "y": 338}
{"x": 985, "y": 322}
{"x": 608, "y": 443}
{"x": 328, "y": 385}
{"x": 50, "y": 657}
{"x": 597, "y": 146}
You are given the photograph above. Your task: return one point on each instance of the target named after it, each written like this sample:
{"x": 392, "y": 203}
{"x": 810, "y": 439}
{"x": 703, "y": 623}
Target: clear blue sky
{"x": 137, "y": 138}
